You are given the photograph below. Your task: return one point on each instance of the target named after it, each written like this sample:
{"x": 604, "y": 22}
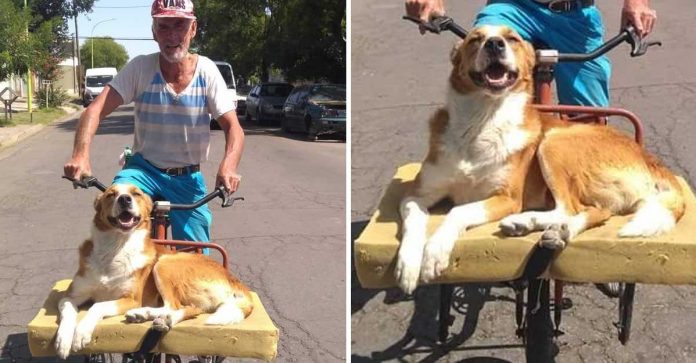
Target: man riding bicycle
{"x": 174, "y": 93}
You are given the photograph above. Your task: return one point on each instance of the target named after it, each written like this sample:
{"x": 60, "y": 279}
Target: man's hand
{"x": 77, "y": 167}
{"x": 640, "y": 15}
{"x": 425, "y": 10}
{"x": 228, "y": 178}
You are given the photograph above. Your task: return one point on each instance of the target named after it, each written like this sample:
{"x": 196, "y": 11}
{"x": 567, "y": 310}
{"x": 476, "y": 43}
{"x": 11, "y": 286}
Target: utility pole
{"x": 77, "y": 41}
{"x": 29, "y": 77}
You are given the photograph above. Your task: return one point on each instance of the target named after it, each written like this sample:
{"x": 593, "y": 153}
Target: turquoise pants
{"x": 577, "y": 31}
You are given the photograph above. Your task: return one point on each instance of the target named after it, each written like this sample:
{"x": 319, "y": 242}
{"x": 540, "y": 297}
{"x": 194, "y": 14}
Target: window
{"x": 275, "y": 90}
{"x": 98, "y": 81}
{"x": 328, "y": 93}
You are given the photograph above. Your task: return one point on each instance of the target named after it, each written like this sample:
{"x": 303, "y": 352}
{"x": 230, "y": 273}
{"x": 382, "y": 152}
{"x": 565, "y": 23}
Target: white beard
{"x": 177, "y": 57}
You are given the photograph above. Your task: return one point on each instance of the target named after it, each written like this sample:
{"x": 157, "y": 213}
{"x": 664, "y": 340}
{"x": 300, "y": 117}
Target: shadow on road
{"x": 421, "y": 335}
{"x": 16, "y": 349}
{"x": 121, "y": 125}
{"x": 252, "y": 128}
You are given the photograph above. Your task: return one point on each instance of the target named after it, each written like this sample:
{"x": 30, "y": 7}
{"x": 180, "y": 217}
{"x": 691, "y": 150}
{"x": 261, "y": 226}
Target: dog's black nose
{"x": 495, "y": 45}
{"x": 125, "y": 201}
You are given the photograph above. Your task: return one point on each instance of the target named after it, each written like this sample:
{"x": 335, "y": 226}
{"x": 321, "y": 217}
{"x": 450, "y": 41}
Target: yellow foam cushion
{"x": 482, "y": 254}
{"x": 255, "y": 337}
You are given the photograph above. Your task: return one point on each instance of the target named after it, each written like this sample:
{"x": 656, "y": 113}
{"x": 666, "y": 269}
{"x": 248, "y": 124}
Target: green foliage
{"x": 36, "y": 36}
{"x": 107, "y": 53}
{"x": 303, "y": 38}
{"x": 15, "y": 43}
{"x": 56, "y": 97}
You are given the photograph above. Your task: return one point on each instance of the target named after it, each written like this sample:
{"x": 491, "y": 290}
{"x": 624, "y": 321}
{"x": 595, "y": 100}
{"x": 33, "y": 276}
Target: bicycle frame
{"x": 534, "y": 323}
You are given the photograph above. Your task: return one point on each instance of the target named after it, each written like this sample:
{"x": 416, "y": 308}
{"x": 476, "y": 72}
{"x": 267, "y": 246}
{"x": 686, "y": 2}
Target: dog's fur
{"x": 497, "y": 158}
{"x": 123, "y": 271}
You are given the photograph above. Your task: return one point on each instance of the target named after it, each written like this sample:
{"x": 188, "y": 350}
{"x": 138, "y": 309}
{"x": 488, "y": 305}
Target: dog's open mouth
{"x": 125, "y": 221}
{"x": 495, "y": 77}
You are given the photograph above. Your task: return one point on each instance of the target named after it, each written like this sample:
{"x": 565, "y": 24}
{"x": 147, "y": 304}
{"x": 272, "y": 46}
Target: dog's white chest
{"x": 112, "y": 269}
{"x": 479, "y": 141}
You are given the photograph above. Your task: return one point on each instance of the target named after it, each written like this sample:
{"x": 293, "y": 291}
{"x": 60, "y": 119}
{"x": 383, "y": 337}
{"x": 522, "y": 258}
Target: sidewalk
{"x": 11, "y": 135}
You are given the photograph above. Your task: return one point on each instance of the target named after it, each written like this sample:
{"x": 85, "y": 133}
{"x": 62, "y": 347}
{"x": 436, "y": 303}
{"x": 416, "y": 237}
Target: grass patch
{"x": 40, "y": 116}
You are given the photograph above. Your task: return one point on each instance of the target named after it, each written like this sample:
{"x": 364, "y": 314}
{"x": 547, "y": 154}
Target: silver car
{"x": 265, "y": 102}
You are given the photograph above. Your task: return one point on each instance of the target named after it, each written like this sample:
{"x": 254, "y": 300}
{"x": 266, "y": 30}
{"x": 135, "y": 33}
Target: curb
{"x": 15, "y": 138}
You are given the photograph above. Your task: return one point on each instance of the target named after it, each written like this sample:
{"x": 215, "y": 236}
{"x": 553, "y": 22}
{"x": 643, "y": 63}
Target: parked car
{"x": 240, "y": 100}
{"x": 316, "y": 109}
{"x": 265, "y": 101}
{"x": 95, "y": 80}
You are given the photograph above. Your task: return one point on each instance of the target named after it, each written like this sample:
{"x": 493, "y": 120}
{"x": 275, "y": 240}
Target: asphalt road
{"x": 398, "y": 80}
{"x": 286, "y": 240}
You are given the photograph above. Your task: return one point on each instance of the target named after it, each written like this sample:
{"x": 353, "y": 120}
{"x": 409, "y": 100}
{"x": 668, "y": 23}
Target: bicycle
{"x": 376, "y": 247}
{"x": 258, "y": 339}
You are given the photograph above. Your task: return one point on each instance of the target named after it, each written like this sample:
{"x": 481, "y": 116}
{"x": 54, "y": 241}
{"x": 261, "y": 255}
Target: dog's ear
{"x": 456, "y": 54}
{"x": 148, "y": 203}
{"x": 97, "y": 202}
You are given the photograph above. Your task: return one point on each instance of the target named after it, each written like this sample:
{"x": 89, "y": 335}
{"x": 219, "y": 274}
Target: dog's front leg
{"x": 414, "y": 213}
{"x": 436, "y": 255}
{"x": 67, "y": 308}
{"x": 99, "y": 311}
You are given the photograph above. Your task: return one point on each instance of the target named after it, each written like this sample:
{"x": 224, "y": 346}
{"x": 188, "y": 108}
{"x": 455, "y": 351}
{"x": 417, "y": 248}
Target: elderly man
{"x": 174, "y": 93}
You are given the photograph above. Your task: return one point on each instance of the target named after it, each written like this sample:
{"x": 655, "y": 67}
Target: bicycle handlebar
{"x": 638, "y": 46}
{"x": 227, "y": 201}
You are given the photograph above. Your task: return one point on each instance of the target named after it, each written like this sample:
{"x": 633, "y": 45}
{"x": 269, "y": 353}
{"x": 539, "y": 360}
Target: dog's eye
{"x": 512, "y": 40}
{"x": 476, "y": 40}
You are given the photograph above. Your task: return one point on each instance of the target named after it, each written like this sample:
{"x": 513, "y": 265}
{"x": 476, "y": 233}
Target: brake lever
{"x": 86, "y": 182}
{"x": 227, "y": 200}
{"x": 638, "y": 45}
{"x": 437, "y": 25}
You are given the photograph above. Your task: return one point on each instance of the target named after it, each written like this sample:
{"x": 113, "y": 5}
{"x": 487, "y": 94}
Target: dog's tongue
{"x": 126, "y": 218}
{"x": 496, "y": 73}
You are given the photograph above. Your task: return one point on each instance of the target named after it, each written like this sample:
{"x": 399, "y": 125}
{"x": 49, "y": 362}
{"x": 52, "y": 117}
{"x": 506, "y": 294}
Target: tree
{"x": 231, "y": 31}
{"x": 310, "y": 37}
{"x": 107, "y": 53}
{"x": 36, "y": 36}
{"x": 302, "y": 38}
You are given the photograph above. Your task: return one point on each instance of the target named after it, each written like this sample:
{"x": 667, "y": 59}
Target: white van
{"x": 227, "y": 73}
{"x": 95, "y": 80}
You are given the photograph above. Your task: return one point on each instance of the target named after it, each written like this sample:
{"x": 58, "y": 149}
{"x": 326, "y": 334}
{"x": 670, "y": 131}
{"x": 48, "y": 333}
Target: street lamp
{"x": 91, "y": 37}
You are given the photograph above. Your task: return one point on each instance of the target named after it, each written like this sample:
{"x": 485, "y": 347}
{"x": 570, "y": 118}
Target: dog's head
{"x": 492, "y": 59}
{"x": 123, "y": 208}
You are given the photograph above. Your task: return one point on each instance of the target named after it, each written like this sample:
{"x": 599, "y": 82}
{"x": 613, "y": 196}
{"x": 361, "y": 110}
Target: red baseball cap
{"x": 172, "y": 9}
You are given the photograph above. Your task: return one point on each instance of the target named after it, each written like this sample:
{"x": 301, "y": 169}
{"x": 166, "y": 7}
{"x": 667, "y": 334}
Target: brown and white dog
{"x": 497, "y": 158}
{"x": 123, "y": 271}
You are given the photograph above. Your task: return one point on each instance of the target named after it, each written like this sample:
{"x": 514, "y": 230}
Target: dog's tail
{"x": 659, "y": 212}
{"x": 233, "y": 310}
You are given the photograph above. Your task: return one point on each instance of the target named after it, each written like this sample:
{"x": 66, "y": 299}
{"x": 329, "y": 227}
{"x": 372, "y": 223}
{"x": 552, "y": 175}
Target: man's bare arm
{"x": 234, "y": 145}
{"x": 102, "y": 106}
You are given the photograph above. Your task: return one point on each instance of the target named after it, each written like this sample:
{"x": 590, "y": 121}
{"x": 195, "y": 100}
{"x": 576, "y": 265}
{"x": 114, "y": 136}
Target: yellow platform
{"x": 255, "y": 337}
{"x": 482, "y": 254}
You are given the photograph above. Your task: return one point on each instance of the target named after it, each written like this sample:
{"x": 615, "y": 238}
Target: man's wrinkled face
{"x": 173, "y": 35}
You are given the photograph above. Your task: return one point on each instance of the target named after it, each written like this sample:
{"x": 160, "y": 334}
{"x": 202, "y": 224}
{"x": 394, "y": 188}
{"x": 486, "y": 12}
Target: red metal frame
{"x": 543, "y": 96}
{"x": 159, "y": 227}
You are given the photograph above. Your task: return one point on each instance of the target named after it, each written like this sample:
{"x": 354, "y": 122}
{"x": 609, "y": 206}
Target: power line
{"x": 102, "y": 37}
{"x": 120, "y": 7}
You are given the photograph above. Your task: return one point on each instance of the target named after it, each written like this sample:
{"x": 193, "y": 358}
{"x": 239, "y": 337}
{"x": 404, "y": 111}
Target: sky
{"x": 131, "y": 20}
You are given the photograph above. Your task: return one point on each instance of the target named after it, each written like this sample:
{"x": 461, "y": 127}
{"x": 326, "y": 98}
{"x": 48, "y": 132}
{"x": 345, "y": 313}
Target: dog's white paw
{"x": 63, "y": 343}
{"x": 138, "y": 315}
{"x": 232, "y": 316}
{"x": 555, "y": 237}
{"x": 407, "y": 270}
{"x": 162, "y": 323}
{"x": 83, "y": 335}
{"x": 517, "y": 225}
{"x": 436, "y": 257}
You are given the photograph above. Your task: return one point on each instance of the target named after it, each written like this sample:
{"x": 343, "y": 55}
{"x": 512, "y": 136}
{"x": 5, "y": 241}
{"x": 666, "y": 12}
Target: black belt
{"x": 564, "y": 6}
{"x": 184, "y": 170}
